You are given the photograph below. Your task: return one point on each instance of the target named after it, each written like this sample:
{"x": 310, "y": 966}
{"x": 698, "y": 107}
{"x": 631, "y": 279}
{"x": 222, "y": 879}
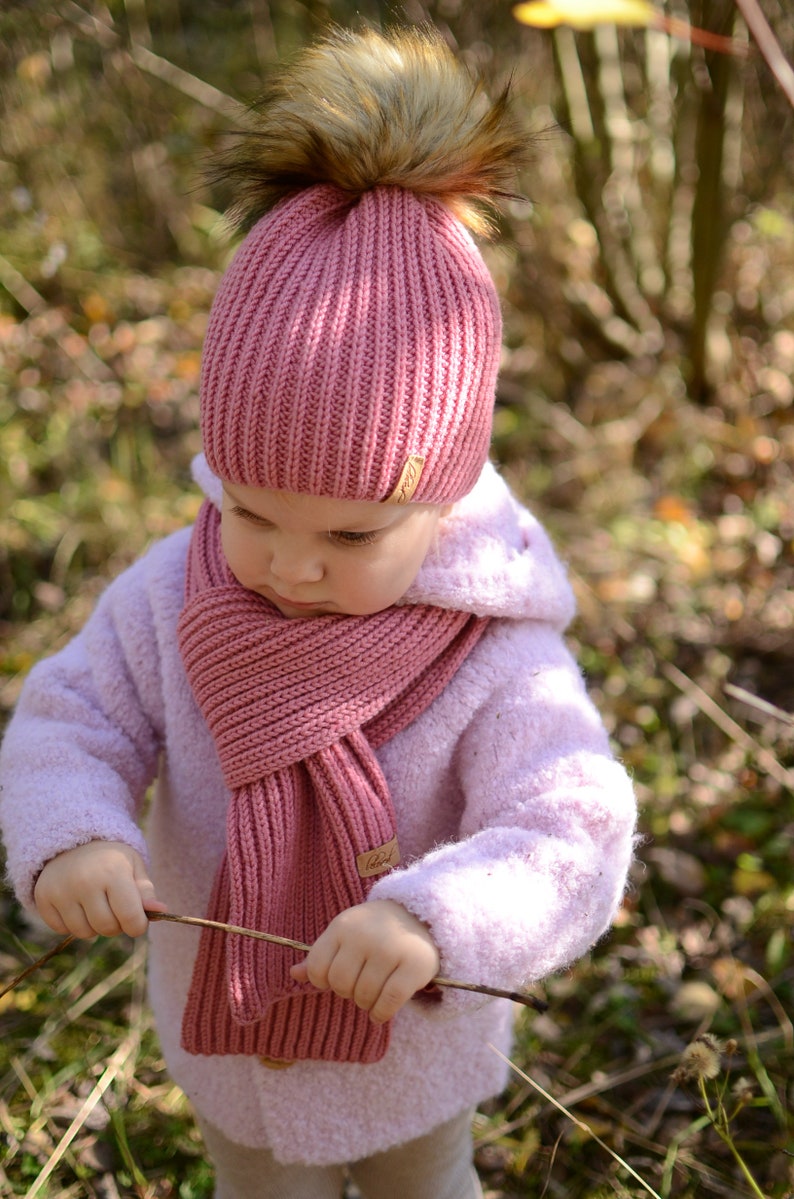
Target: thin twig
{"x": 45, "y": 957}
{"x": 201, "y": 922}
{"x": 768, "y": 45}
{"x": 719, "y": 42}
{"x": 104, "y": 31}
{"x": 516, "y": 996}
{"x": 765, "y": 759}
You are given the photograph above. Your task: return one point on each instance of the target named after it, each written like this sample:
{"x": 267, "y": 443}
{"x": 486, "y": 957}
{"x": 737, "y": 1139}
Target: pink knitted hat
{"x": 354, "y": 342}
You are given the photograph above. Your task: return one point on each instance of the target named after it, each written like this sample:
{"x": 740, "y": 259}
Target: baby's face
{"x": 315, "y": 556}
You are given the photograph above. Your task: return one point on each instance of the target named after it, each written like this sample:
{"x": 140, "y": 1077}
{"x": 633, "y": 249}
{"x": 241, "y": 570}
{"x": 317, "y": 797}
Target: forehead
{"x": 311, "y": 511}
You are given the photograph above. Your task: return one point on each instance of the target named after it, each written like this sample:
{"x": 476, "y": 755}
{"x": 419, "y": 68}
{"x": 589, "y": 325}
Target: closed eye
{"x": 345, "y": 537}
{"x": 341, "y": 536}
{"x": 251, "y": 516}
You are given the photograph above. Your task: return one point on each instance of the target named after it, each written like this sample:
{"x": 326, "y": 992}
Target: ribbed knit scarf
{"x": 296, "y": 709}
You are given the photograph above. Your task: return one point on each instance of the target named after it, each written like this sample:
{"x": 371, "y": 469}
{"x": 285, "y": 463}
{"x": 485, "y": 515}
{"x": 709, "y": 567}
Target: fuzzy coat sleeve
{"x": 84, "y": 741}
{"x": 546, "y": 831}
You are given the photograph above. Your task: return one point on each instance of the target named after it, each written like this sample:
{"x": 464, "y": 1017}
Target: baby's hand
{"x": 377, "y": 954}
{"x": 100, "y": 887}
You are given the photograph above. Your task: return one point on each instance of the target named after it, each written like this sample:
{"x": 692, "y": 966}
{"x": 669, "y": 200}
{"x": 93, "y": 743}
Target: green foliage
{"x": 674, "y": 507}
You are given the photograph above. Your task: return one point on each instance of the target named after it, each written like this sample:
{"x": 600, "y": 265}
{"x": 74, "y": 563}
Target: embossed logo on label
{"x": 377, "y": 861}
{"x": 408, "y": 480}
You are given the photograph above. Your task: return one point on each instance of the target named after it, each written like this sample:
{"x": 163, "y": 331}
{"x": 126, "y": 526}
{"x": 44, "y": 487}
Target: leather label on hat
{"x": 377, "y": 861}
{"x": 409, "y": 478}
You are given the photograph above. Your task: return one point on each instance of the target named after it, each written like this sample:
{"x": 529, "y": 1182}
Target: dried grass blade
{"x": 762, "y": 705}
{"x": 766, "y": 760}
{"x": 579, "y": 1123}
{"x": 114, "y": 1067}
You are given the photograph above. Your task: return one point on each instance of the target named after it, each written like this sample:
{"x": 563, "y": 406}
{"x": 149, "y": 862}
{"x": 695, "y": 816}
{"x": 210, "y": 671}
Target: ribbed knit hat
{"x": 353, "y": 344}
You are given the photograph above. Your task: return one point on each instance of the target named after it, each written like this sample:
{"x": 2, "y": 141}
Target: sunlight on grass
{"x": 646, "y": 413}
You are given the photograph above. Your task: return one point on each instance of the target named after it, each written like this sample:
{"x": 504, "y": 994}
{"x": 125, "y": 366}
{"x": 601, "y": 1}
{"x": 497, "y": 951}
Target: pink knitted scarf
{"x": 296, "y": 709}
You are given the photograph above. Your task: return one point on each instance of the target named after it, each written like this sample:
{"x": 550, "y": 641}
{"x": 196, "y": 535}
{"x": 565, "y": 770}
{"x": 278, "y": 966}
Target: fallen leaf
{"x": 679, "y": 869}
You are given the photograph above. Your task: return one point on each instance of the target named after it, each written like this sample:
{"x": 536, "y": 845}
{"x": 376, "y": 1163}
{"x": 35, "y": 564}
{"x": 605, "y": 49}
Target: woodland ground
{"x": 672, "y": 503}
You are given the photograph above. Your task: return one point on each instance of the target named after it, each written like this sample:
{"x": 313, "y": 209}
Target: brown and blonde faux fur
{"x": 359, "y": 110}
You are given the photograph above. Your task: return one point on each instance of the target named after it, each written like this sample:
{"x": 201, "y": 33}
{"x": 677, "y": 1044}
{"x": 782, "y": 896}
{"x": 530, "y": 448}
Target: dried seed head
{"x": 743, "y": 1090}
{"x": 700, "y": 1059}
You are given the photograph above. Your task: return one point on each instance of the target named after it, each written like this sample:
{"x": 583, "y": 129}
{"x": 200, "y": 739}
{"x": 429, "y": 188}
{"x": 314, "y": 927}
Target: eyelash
{"x": 251, "y": 518}
{"x": 341, "y": 536}
{"x": 344, "y": 538}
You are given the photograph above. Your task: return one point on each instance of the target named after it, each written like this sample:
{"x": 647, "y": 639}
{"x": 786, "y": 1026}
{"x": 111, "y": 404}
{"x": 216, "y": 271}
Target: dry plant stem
{"x": 104, "y": 32}
{"x": 516, "y": 996}
{"x": 677, "y": 28}
{"x": 768, "y": 45}
{"x": 719, "y": 1123}
{"x": 45, "y": 957}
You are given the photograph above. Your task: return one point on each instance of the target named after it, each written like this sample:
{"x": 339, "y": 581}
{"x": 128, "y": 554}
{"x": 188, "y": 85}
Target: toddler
{"x": 348, "y": 681}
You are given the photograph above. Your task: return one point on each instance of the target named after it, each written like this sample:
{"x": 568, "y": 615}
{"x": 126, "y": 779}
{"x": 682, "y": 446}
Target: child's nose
{"x": 294, "y": 564}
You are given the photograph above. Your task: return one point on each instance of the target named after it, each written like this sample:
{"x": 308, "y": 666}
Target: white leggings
{"x": 435, "y": 1166}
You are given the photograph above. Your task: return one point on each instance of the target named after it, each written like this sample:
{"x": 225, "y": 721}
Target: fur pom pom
{"x": 360, "y": 110}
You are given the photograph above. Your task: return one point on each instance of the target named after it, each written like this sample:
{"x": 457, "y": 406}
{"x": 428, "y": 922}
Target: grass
{"x": 674, "y": 513}
{"x": 703, "y": 941}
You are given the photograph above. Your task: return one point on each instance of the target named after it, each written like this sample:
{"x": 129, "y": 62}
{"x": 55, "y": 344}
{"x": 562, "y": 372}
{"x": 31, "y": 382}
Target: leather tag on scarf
{"x": 377, "y": 861}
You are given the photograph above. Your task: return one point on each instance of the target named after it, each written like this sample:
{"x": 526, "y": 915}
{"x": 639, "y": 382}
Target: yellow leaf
{"x": 752, "y": 882}
{"x": 585, "y": 14}
{"x": 22, "y": 1000}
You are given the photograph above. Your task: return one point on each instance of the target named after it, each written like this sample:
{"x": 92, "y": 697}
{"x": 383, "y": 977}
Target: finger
{"x": 318, "y": 961}
{"x": 100, "y": 914}
{"x": 145, "y": 887}
{"x": 128, "y": 911}
{"x": 74, "y": 920}
{"x": 345, "y": 971}
{"x": 370, "y": 984}
{"x": 51, "y": 917}
{"x": 395, "y": 992}
{"x": 299, "y": 972}
{"x": 148, "y": 900}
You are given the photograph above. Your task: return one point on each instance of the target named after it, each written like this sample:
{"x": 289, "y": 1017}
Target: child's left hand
{"x": 378, "y": 954}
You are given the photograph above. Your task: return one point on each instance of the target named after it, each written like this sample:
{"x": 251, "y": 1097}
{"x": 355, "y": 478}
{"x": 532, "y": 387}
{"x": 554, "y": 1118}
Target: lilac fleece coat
{"x": 514, "y": 821}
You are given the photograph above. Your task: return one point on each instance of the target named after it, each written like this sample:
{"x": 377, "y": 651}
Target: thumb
{"x": 299, "y": 972}
{"x": 146, "y": 887}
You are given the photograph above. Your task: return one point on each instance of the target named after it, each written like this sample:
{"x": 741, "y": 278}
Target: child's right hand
{"x": 102, "y": 887}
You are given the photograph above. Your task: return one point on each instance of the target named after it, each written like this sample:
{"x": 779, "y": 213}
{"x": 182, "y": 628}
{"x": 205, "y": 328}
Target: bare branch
{"x": 768, "y": 45}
